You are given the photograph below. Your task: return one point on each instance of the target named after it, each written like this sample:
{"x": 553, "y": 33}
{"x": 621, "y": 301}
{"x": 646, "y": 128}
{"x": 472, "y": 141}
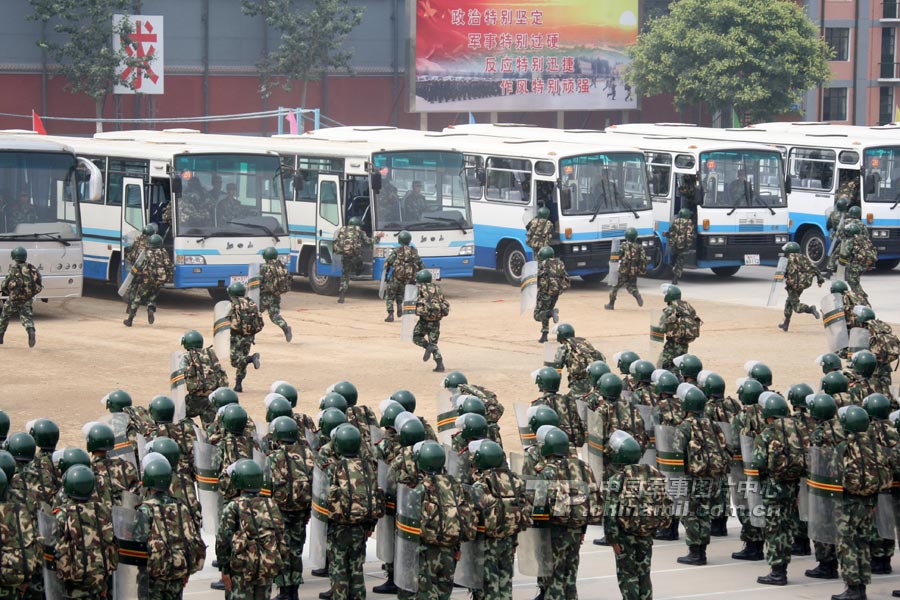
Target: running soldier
{"x": 203, "y": 374}
{"x": 539, "y": 231}
{"x": 858, "y": 254}
{"x": 141, "y": 243}
{"x": 274, "y": 281}
{"x": 246, "y": 322}
{"x": 798, "y": 276}
{"x": 835, "y": 227}
{"x": 552, "y": 281}
{"x": 348, "y": 243}
{"x": 681, "y": 236}
{"x": 682, "y": 327}
{"x": 20, "y": 286}
{"x": 155, "y": 270}
{"x": 431, "y": 307}
{"x": 401, "y": 266}
{"x": 632, "y": 263}
{"x": 575, "y": 354}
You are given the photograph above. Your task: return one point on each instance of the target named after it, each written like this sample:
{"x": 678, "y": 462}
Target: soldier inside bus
{"x": 686, "y": 195}
{"x": 414, "y": 202}
{"x": 388, "y": 201}
{"x": 603, "y": 191}
{"x": 740, "y": 191}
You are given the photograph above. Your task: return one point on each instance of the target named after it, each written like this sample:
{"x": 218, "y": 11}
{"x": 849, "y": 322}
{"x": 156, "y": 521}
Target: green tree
{"x": 312, "y": 40}
{"x": 758, "y": 56}
{"x": 82, "y": 46}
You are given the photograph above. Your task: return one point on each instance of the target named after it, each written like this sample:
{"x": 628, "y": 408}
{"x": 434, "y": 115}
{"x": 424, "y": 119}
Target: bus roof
{"x": 31, "y": 143}
{"x": 148, "y": 149}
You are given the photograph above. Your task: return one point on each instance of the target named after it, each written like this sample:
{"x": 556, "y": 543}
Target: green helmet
{"x": 150, "y": 229}
{"x": 610, "y": 386}
{"x": 839, "y": 286}
{"x": 773, "y": 405}
{"x": 162, "y": 409}
{"x": 852, "y": 229}
{"x": 157, "y": 475}
{"x": 760, "y": 372}
{"x": 284, "y": 429}
{"x": 100, "y": 438}
{"x": 423, "y": 276}
{"x": 624, "y": 360}
{"x": 749, "y": 392}
{"x": 19, "y": 254}
{"x": 468, "y": 404}
{"x": 877, "y": 405}
{"x": 4, "y": 425}
{"x": 823, "y": 407}
{"x": 791, "y": 248}
{"x": 713, "y": 385}
{"x": 543, "y": 212}
{"x": 835, "y": 383}
{"x": 642, "y": 370}
{"x": 355, "y": 222}
{"x": 389, "y": 410}
{"x": 842, "y": 204}
{"x": 689, "y": 365}
{"x": 237, "y": 289}
{"x": 288, "y": 391}
{"x": 234, "y": 418}
{"x": 625, "y": 449}
{"x": 671, "y": 293}
{"x": 72, "y": 456}
{"x": 854, "y": 212}
{"x": 7, "y": 464}
{"x": 22, "y": 447}
{"x": 564, "y": 331}
{"x": 685, "y": 213}
{"x": 247, "y": 476}
{"x": 329, "y": 419}
{"x": 347, "y": 390}
{"x": 278, "y": 406}
{"x": 863, "y": 314}
{"x": 487, "y": 455}
{"x": 472, "y": 427}
{"x": 346, "y": 440}
{"x": 168, "y": 448}
{"x": 4, "y": 486}
{"x": 829, "y": 362}
{"x": 798, "y": 393}
{"x": 406, "y": 398}
{"x": 46, "y": 434}
{"x": 864, "y": 363}
{"x": 333, "y": 400}
{"x": 666, "y": 383}
{"x": 596, "y": 370}
{"x": 404, "y": 237}
{"x": 631, "y": 234}
{"x": 223, "y": 397}
{"x": 155, "y": 241}
{"x": 541, "y": 415}
{"x": 694, "y": 401}
{"x": 78, "y": 483}
{"x": 545, "y": 253}
{"x": 454, "y": 379}
{"x": 270, "y": 253}
{"x": 854, "y": 419}
{"x": 431, "y": 457}
{"x": 556, "y": 443}
{"x": 118, "y": 400}
{"x": 548, "y": 379}
{"x": 192, "y": 340}
{"x": 410, "y": 429}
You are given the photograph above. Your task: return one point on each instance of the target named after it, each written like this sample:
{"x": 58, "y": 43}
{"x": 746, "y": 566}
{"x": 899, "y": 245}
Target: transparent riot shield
{"x": 777, "y": 289}
{"x": 376, "y": 434}
{"x": 614, "y": 255}
{"x": 207, "y": 485}
{"x": 446, "y": 415}
{"x": 596, "y": 440}
{"x": 670, "y": 460}
{"x": 835, "y": 322}
{"x": 318, "y": 524}
{"x": 406, "y": 542}
{"x": 752, "y": 489}
{"x": 470, "y": 566}
{"x": 859, "y": 339}
{"x": 132, "y": 551}
{"x": 528, "y": 287}
{"x": 178, "y": 385}
{"x": 222, "y": 329}
{"x": 408, "y": 314}
{"x": 825, "y": 494}
{"x": 453, "y": 462}
{"x": 125, "y": 288}
{"x": 253, "y": 282}
{"x": 736, "y": 477}
{"x": 118, "y": 422}
{"x": 832, "y": 246}
{"x": 534, "y": 552}
{"x": 526, "y": 436}
{"x": 657, "y": 330}
{"x": 649, "y": 457}
{"x": 884, "y": 516}
{"x": 803, "y": 502}
{"x": 382, "y": 284}
{"x": 385, "y": 530}
{"x": 551, "y": 350}
{"x": 49, "y": 532}
{"x": 840, "y": 272}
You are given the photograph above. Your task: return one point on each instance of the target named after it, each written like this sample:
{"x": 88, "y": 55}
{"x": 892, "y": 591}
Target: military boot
{"x": 295, "y": 592}
{"x": 31, "y": 339}
{"x": 217, "y": 585}
{"x": 827, "y": 569}
{"x": 253, "y": 359}
{"x": 881, "y": 565}
{"x": 637, "y": 296}
{"x": 438, "y": 365}
{"x": 540, "y": 595}
{"x": 601, "y": 541}
{"x": 284, "y": 593}
{"x": 853, "y": 592}
{"x": 814, "y": 311}
{"x": 2, "y": 333}
{"x": 429, "y": 350}
{"x": 800, "y": 547}
{"x": 325, "y": 595}
{"x": 787, "y": 322}
{"x": 238, "y": 385}
{"x": 543, "y": 337}
{"x": 694, "y": 557}
{"x": 895, "y": 594}
{"x": 399, "y": 308}
{"x": 389, "y": 318}
{"x": 323, "y": 572}
{"x": 751, "y": 551}
{"x": 151, "y": 314}
{"x": 611, "y": 305}
{"x": 719, "y": 527}
{"x": 388, "y": 587}
{"x": 778, "y": 576}
{"x": 288, "y": 334}
{"x": 128, "y": 320}
{"x": 341, "y": 297}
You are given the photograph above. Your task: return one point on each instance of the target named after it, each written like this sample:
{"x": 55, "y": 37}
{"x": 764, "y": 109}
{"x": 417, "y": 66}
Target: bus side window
{"x": 133, "y": 209}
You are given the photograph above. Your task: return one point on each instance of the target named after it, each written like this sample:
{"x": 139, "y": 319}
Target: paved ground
{"x": 84, "y": 351}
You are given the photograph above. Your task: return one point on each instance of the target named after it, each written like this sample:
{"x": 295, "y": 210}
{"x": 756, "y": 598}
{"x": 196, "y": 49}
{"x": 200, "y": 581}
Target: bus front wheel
{"x": 887, "y": 264}
{"x": 812, "y": 244}
{"x": 513, "y": 259}
{"x": 725, "y": 271}
{"x": 323, "y": 285}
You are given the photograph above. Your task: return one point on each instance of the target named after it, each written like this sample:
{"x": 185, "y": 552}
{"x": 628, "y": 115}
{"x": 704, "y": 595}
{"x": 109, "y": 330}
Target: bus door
{"x": 328, "y": 220}
{"x": 684, "y": 194}
{"x": 133, "y": 212}
{"x": 356, "y": 190}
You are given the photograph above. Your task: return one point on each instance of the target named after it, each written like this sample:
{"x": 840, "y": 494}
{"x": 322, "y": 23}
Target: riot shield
{"x": 859, "y": 339}
{"x": 178, "y": 385}
{"x": 318, "y": 525}
{"x": 752, "y": 490}
{"x": 470, "y": 566}
{"x": 884, "y": 516}
{"x": 406, "y": 542}
{"x": 657, "y": 329}
{"x": 832, "y": 246}
{"x": 49, "y": 532}
{"x": 526, "y": 436}
{"x": 222, "y": 329}
{"x": 775, "y": 292}
{"x": 382, "y": 284}
{"x": 596, "y": 440}
{"x": 446, "y": 415}
{"x": 132, "y": 552}
{"x": 376, "y": 434}
{"x": 803, "y": 502}
{"x": 516, "y": 462}
{"x": 670, "y": 460}
{"x": 825, "y": 494}
{"x": 118, "y": 422}
{"x": 408, "y": 314}
{"x": 840, "y": 272}
{"x": 207, "y": 485}
{"x": 452, "y": 460}
{"x": 534, "y": 552}
{"x": 528, "y": 287}
{"x": 125, "y": 288}
{"x": 385, "y": 531}
{"x": 736, "y": 478}
{"x": 253, "y": 282}
{"x": 835, "y": 322}
{"x": 614, "y": 255}
{"x": 551, "y": 349}
{"x": 649, "y": 457}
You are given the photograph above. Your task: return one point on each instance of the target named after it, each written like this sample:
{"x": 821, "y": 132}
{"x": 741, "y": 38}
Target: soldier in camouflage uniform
{"x": 749, "y": 422}
{"x": 401, "y": 265}
{"x": 617, "y": 414}
{"x": 539, "y": 231}
{"x": 547, "y": 380}
{"x": 162, "y": 411}
{"x": 234, "y": 445}
{"x": 883, "y": 344}
{"x": 25, "y": 501}
{"x": 274, "y": 280}
{"x": 137, "y": 419}
{"x": 20, "y": 286}
{"x": 492, "y": 406}
{"x": 552, "y": 280}
{"x": 203, "y": 374}
{"x": 624, "y": 360}
{"x": 243, "y": 312}
{"x": 858, "y": 254}
{"x": 117, "y": 474}
{"x": 472, "y": 427}
{"x": 798, "y": 276}
{"x": 885, "y": 435}
{"x": 797, "y": 395}
{"x": 632, "y": 263}
{"x": 849, "y": 189}
{"x": 850, "y": 299}
{"x": 836, "y": 385}
{"x": 826, "y": 433}
{"x": 682, "y": 327}
{"x": 182, "y": 487}
{"x": 359, "y": 415}
{"x": 720, "y": 409}
{"x": 407, "y": 400}
{"x": 835, "y": 227}
{"x": 141, "y": 243}
{"x": 153, "y": 273}
{"x": 41, "y": 474}
{"x": 431, "y": 307}
{"x": 575, "y": 354}
{"x": 681, "y": 237}
{"x": 862, "y": 376}
{"x": 348, "y": 243}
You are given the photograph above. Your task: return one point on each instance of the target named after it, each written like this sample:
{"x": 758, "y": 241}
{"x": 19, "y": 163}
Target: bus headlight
{"x": 190, "y": 259}
{"x": 717, "y": 240}
{"x": 284, "y": 258}
{"x": 648, "y": 243}
{"x": 782, "y": 239}
{"x": 467, "y": 250}
{"x": 881, "y": 233}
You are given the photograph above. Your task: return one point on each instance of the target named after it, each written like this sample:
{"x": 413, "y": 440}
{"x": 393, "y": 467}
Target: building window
{"x": 835, "y": 102}
{"x": 885, "y": 105}
{"x": 888, "y": 64}
{"x": 838, "y": 39}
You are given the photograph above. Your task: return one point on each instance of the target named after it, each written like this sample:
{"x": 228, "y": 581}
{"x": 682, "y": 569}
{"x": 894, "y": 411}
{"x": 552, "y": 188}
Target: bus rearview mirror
{"x": 176, "y": 186}
{"x": 375, "y": 181}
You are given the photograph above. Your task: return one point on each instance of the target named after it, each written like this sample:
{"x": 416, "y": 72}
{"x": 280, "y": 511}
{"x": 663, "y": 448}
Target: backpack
{"x": 866, "y": 466}
{"x": 787, "y": 456}
{"x": 493, "y": 409}
{"x": 290, "y": 480}
{"x": 686, "y": 327}
{"x": 404, "y": 265}
{"x": 706, "y": 454}
{"x": 174, "y": 547}
{"x": 277, "y": 280}
{"x": 432, "y": 306}
{"x": 799, "y": 274}
{"x": 633, "y": 261}
{"x": 354, "y": 497}
{"x": 569, "y": 495}
{"x": 864, "y": 252}
{"x": 552, "y": 277}
{"x": 883, "y": 343}
{"x": 139, "y": 421}
{"x": 346, "y": 242}
{"x": 643, "y": 505}
{"x": 247, "y": 318}
{"x": 447, "y": 518}
{"x": 23, "y": 282}
{"x": 18, "y": 539}
{"x": 256, "y": 548}
{"x": 203, "y": 372}
{"x": 504, "y": 504}
{"x": 581, "y": 354}
{"x": 158, "y": 267}
{"x": 80, "y": 563}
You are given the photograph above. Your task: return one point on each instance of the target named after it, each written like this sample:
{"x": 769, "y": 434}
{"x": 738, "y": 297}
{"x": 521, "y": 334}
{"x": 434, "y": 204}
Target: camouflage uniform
{"x": 632, "y": 263}
{"x": 493, "y": 411}
{"x": 885, "y": 434}
{"x": 273, "y": 278}
{"x": 240, "y": 342}
{"x": 715, "y": 460}
{"x": 91, "y": 536}
{"x": 183, "y": 434}
{"x": 117, "y": 476}
{"x": 21, "y": 285}
{"x": 826, "y": 434}
{"x": 288, "y": 458}
{"x": 723, "y": 410}
{"x": 798, "y": 276}
{"x": 17, "y": 514}
{"x": 884, "y": 345}
{"x": 860, "y": 387}
{"x": 404, "y": 262}
{"x": 229, "y": 450}
{"x": 40, "y": 476}
{"x": 859, "y": 256}
{"x": 350, "y": 240}
{"x": 185, "y": 528}
{"x": 681, "y": 236}
{"x": 569, "y": 419}
{"x": 538, "y": 234}
{"x": 617, "y": 415}
{"x": 850, "y": 190}
{"x": 835, "y": 227}
{"x": 216, "y": 430}
{"x": 575, "y": 355}
{"x": 428, "y": 328}
{"x": 155, "y": 271}
{"x": 851, "y": 299}
{"x": 552, "y": 281}
{"x": 748, "y": 422}
{"x": 229, "y": 525}
{"x": 198, "y": 361}
{"x": 676, "y": 325}
{"x": 363, "y": 418}
{"x": 141, "y": 243}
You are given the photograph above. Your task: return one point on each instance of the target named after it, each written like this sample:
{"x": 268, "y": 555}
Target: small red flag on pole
{"x": 36, "y": 124}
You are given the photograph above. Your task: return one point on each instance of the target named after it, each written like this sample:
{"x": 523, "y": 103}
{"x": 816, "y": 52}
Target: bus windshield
{"x": 226, "y": 195}
{"x": 882, "y": 169}
{"x": 37, "y": 196}
{"x": 603, "y": 183}
{"x": 421, "y": 190}
{"x": 742, "y": 179}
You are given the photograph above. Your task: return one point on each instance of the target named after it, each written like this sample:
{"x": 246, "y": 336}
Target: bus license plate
{"x": 435, "y": 274}
{"x": 751, "y": 259}
{"x": 240, "y": 279}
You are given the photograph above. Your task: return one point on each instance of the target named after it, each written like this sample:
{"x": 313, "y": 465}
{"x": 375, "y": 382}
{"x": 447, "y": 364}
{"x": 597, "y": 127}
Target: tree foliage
{"x": 759, "y": 56}
{"x": 312, "y": 40}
